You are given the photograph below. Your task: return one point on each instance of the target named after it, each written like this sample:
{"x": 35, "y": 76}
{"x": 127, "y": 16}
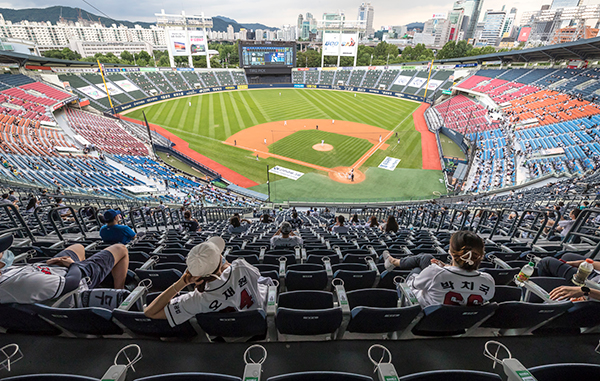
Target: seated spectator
{"x": 11, "y": 197}
{"x": 458, "y": 283}
{"x": 32, "y": 204}
{"x": 373, "y": 223}
{"x": 354, "y": 220}
{"x": 190, "y": 224}
{"x": 285, "y": 237}
{"x": 112, "y": 231}
{"x": 295, "y": 221}
{"x": 6, "y": 201}
{"x": 339, "y": 227}
{"x": 64, "y": 212}
{"x": 566, "y": 267}
{"x": 391, "y": 225}
{"x": 236, "y": 226}
{"x": 564, "y": 226}
{"x": 39, "y": 282}
{"x": 266, "y": 219}
{"x": 219, "y": 286}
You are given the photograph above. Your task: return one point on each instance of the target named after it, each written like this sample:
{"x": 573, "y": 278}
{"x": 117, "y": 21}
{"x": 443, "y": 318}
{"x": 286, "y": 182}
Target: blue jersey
{"x": 116, "y": 234}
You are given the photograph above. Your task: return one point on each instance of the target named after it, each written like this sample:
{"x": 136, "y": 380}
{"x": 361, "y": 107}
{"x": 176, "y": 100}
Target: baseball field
{"x": 327, "y": 135}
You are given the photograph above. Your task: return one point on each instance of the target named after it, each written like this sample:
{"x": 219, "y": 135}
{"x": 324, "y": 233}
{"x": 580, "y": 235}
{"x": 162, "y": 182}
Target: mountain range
{"x": 53, "y": 14}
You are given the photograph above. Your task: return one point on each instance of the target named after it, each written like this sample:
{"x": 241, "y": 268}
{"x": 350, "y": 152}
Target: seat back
{"x": 452, "y": 375}
{"x": 559, "y": 372}
{"x": 234, "y": 324}
{"x": 518, "y": 315}
{"x": 354, "y": 280}
{"x": 50, "y": 377}
{"x": 320, "y": 376}
{"x": 501, "y": 276}
{"x": 87, "y": 321}
{"x": 306, "y": 300}
{"x": 161, "y": 279}
{"x": 190, "y": 376}
{"x": 507, "y": 294}
{"x": 141, "y": 325}
{"x": 21, "y": 318}
{"x": 443, "y": 320}
{"x": 548, "y": 284}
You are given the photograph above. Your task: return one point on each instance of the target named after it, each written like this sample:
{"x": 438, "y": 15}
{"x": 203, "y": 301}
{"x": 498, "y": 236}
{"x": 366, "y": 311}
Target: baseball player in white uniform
{"x": 220, "y": 286}
{"x": 456, "y": 284}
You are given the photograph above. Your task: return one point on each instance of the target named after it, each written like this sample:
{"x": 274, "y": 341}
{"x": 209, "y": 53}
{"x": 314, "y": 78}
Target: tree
{"x": 64, "y": 54}
{"x": 126, "y": 56}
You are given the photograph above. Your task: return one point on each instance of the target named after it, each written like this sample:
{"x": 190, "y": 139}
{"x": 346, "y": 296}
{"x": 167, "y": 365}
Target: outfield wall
{"x": 179, "y": 94}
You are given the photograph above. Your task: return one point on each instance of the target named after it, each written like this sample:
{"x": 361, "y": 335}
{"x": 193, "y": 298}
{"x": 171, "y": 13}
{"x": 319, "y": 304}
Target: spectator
{"x": 373, "y": 223}
{"x": 295, "y": 221}
{"x": 566, "y": 267}
{"x": 266, "y": 219}
{"x": 5, "y": 199}
{"x": 112, "y": 231}
{"x": 32, "y": 204}
{"x": 354, "y": 220}
{"x": 218, "y": 285}
{"x": 391, "y": 225}
{"x": 236, "y": 226}
{"x": 190, "y": 224}
{"x": 64, "y": 212}
{"x": 339, "y": 227}
{"x": 11, "y": 197}
{"x": 39, "y": 282}
{"x": 459, "y": 283}
{"x": 285, "y": 237}
{"x": 564, "y": 226}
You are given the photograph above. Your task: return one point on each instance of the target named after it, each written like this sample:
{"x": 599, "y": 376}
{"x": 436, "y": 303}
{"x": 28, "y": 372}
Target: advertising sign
{"x": 178, "y": 43}
{"x": 524, "y": 34}
{"x": 197, "y": 43}
{"x": 434, "y": 84}
{"x": 417, "y": 82}
{"x": 92, "y": 92}
{"x": 126, "y": 85}
{"x": 389, "y": 163}
{"x": 112, "y": 89}
{"x": 347, "y": 47}
{"x": 402, "y": 80}
{"x": 286, "y": 172}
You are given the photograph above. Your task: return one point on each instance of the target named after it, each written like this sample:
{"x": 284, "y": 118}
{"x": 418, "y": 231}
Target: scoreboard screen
{"x": 256, "y": 56}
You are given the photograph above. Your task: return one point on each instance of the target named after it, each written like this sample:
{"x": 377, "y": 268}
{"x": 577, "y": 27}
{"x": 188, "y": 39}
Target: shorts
{"x": 96, "y": 267}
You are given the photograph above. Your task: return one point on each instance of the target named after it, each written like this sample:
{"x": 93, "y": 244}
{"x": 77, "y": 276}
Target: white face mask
{"x": 7, "y": 258}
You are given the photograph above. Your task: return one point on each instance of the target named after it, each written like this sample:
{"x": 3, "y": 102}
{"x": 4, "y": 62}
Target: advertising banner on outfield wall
{"x": 286, "y": 172}
{"x": 331, "y": 44}
{"x": 178, "y": 43}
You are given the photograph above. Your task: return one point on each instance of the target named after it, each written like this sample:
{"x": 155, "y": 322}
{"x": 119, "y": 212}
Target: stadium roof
{"x": 581, "y": 49}
{"x": 22, "y": 59}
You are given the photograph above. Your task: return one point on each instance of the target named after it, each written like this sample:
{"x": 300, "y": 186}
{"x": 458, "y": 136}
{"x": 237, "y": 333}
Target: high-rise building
{"x": 455, "y": 20}
{"x": 544, "y": 23}
{"x": 493, "y": 23}
{"x": 509, "y": 23}
{"x": 439, "y": 28}
{"x": 564, "y": 4}
{"x": 305, "y": 31}
{"x": 365, "y": 13}
{"x": 230, "y": 34}
{"x": 471, "y": 11}
{"x": 300, "y": 20}
{"x": 259, "y": 34}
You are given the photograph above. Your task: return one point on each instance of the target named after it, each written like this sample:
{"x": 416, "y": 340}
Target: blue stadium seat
{"x": 501, "y": 276}
{"x": 307, "y": 313}
{"x": 561, "y": 372}
{"x": 452, "y": 375}
{"x": 443, "y": 320}
{"x": 191, "y": 376}
{"x": 86, "y": 321}
{"x": 21, "y": 318}
{"x": 354, "y": 280}
{"x": 306, "y": 276}
{"x": 51, "y": 377}
{"x": 387, "y": 278}
{"x": 320, "y": 376}
{"x": 234, "y": 324}
{"x": 161, "y": 279}
{"x": 377, "y": 311}
{"x": 143, "y": 326}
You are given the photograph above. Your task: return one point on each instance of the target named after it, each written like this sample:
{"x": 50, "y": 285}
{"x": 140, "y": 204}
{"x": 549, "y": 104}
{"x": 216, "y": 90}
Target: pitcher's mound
{"x": 340, "y": 175}
{"x": 322, "y": 147}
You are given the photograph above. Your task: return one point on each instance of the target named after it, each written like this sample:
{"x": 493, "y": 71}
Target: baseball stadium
{"x": 427, "y": 220}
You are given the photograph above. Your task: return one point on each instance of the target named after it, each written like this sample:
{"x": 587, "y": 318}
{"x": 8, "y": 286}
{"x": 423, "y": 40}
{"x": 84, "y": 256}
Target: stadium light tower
{"x": 340, "y": 36}
{"x": 186, "y": 35}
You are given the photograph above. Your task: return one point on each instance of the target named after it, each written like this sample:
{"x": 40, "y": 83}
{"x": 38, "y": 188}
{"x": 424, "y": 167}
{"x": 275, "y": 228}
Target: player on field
{"x": 219, "y": 286}
{"x": 458, "y": 283}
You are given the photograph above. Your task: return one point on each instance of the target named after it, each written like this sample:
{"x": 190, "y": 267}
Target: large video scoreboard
{"x": 264, "y": 55}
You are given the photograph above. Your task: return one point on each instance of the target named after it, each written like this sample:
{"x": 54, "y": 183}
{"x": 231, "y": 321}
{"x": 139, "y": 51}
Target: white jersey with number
{"x": 238, "y": 289}
{"x": 451, "y": 285}
{"x": 31, "y": 283}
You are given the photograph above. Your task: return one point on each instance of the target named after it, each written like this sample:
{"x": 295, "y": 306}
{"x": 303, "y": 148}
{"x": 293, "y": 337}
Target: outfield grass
{"x": 213, "y": 117}
{"x": 346, "y": 149}
{"x": 382, "y": 185}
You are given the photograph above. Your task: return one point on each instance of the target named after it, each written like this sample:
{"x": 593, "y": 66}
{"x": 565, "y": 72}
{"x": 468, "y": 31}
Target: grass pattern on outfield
{"x": 381, "y": 185}
{"x": 215, "y": 116}
{"x": 346, "y": 149}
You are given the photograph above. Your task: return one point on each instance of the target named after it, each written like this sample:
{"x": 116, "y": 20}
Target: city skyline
{"x": 387, "y": 12}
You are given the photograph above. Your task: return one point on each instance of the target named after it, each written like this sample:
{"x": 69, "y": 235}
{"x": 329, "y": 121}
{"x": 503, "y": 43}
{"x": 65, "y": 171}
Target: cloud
{"x": 278, "y": 12}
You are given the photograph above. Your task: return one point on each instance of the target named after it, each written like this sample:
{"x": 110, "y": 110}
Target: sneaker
{"x": 388, "y": 264}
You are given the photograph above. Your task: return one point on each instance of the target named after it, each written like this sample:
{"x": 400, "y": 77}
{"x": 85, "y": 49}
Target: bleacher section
{"x": 142, "y": 82}
{"x": 177, "y": 81}
{"x": 463, "y": 115}
{"x": 209, "y": 79}
{"x": 21, "y": 136}
{"x": 159, "y": 81}
{"x": 224, "y": 77}
{"x": 104, "y": 133}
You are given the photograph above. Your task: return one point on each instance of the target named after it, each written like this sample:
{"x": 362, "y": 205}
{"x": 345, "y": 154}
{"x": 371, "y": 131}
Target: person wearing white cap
{"x": 285, "y": 237}
{"x": 219, "y": 286}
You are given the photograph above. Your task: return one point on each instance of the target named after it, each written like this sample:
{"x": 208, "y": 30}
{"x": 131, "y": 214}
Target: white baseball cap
{"x": 205, "y": 258}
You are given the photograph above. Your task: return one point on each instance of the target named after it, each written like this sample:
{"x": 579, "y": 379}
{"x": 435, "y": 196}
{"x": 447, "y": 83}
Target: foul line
{"x": 374, "y": 149}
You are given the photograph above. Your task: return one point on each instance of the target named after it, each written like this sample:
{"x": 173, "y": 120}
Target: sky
{"x": 276, "y": 13}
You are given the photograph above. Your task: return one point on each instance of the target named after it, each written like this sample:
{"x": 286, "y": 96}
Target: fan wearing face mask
{"x": 218, "y": 286}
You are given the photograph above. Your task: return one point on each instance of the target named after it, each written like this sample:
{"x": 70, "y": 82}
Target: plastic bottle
{"x": 524, "y": 274}
{"x": 583, "y": 272}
